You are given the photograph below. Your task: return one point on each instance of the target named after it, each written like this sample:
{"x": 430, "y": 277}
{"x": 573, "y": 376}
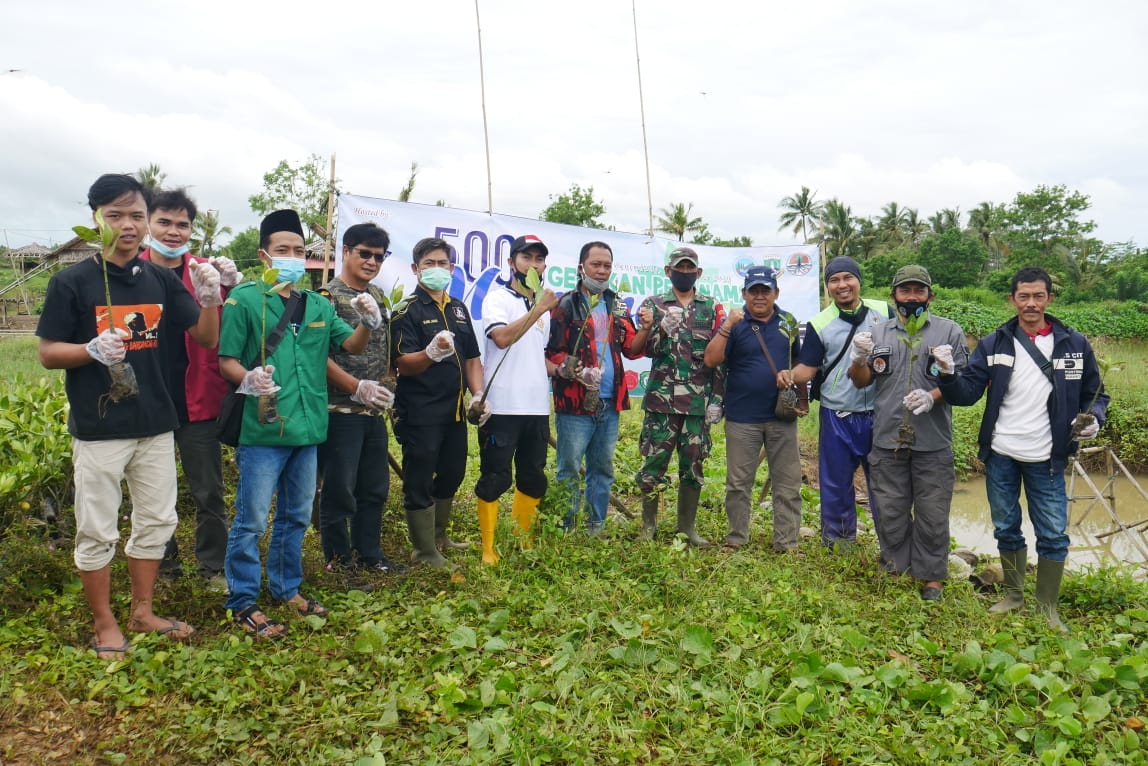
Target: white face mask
{"x": 167, "y": 252}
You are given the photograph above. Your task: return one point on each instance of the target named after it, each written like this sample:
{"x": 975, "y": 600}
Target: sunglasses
{"x": 367, "y": 254}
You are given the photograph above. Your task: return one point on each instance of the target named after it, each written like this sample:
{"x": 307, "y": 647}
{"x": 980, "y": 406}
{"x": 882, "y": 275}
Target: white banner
{"x": 480, "y": 244}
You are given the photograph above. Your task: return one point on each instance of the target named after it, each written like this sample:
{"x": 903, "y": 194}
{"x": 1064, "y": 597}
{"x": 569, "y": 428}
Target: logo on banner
{"x": 744, "y": 264}
{"x": 799, "y": 264}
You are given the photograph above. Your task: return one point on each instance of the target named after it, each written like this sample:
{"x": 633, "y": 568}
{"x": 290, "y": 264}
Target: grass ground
{"x": 576, "y": 651}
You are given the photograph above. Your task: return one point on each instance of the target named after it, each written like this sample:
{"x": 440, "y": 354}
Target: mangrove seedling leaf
{"x": 86, "y": 234}
{"x": 533, "y": 282}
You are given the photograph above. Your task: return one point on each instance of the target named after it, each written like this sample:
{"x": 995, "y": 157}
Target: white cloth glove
{"x": 672, "y": 321}
{"x": 205, "y": 282}
{"x": 477, "y": 402}
{"x": 591, "y": 377}
{"x": 918, "y": 401}
{"x": 368, "y": 310}
{"x": 441, "y": 346}
{"x": 1089, "y": 429}
{"x": 943, "y": 355}
{"x": 372, "y": 394}
{"x": 257, "y": 382}
{"x": 862, "y": 348}
{"x": 229, "y": 275}
{"x": 107, "y": 348}
{"x": 714, "y": 414}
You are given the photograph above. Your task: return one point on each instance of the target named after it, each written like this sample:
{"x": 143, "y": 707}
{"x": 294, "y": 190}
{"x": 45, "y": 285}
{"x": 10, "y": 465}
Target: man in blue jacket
{"x": 1045, "y": 395}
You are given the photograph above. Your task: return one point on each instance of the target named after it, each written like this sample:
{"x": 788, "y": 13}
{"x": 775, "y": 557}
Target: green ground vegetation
{"x": 580, "y": 650}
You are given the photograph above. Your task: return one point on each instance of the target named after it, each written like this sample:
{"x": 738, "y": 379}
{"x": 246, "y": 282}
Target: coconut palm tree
{"x": 915, "y": 227}
{"x": 799, "y": 209}
{"x": 405, "y": 192}
{"x": 945, "y": 219}
{"x": 676, "y": 220}
{"x": 891, "y": 225}
{"x": 838, "y": 227}
{"x": 151, "y": 177}
{"x": 205, "y": 231}
{"x": 986, "y": 220}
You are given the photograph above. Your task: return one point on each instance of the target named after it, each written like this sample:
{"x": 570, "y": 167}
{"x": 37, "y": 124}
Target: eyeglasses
{"x": 367, "y": 254}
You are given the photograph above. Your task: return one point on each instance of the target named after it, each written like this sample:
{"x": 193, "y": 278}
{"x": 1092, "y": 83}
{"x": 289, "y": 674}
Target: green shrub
{"x": 35, "y": 449}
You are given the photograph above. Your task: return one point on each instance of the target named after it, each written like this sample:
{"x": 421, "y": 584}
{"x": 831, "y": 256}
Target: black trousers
{"x": 434, "y": 462}
{"x": 356, "y": 479}
{"x": 521, "y": 439}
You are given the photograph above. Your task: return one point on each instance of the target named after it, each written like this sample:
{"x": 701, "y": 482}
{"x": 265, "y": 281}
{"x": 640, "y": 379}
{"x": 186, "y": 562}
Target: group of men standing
{"x": 312, "y": 373}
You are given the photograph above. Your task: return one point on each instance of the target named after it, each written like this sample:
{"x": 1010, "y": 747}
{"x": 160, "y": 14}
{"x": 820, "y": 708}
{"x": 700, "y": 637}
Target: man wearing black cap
{"x": 757, "y": 345}
{"x": 277, "y": 449}
{"x": 683, "y": 396}
{"x": 846, "y": 419}
{"x": 517, "y": 326}
{"x": 912, "y": 456}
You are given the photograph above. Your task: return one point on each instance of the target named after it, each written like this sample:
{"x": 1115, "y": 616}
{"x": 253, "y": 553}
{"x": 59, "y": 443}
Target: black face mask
{"x": 521, "y": 277}
{"x": 682, "y": 281}
{"x": 912, "y": 309}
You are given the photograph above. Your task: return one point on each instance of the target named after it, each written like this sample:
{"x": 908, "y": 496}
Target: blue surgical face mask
{"x": 290, "y": 269}
{"x": 435, "y": 278}
{"x": 167, "y": 252}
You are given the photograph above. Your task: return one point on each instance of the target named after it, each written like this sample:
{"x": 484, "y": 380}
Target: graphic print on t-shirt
{"x": 140, "y": 321}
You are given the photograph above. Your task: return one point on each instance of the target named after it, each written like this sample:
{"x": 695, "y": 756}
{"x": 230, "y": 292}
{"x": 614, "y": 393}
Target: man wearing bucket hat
{"x": 683, "y": 396}
{"x": 846, "y": 414}
{"x": 756, "y": 346}
{"x": 912, "y": 456}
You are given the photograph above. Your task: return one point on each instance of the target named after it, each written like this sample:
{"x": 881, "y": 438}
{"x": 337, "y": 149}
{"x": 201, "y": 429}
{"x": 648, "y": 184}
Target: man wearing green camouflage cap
{"x": 683, "y": 396}
{"x": 911, "y": 461}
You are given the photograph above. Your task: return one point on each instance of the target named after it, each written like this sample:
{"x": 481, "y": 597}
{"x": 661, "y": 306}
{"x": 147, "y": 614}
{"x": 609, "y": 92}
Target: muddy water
{"x": 971, "y": 525}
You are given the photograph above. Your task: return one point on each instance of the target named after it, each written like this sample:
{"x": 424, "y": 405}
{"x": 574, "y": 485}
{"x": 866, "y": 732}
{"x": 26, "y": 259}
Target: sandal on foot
{"x": 309, "y": 608}
{"x": 121, "y": 650}
{"x": 256, "y": 624}
{"x": 174, "y": 630}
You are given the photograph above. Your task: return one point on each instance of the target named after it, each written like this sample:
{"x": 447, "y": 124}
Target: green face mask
{"x": 435, "y": 278}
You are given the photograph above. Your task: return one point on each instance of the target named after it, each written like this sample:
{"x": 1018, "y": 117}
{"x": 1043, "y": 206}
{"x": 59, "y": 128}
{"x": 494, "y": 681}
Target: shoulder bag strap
{"x": 761, "y": 342}
{"x": 848, "y": 339}
{"x": 280, "y": 328}
{"x": 1043, "y": 362}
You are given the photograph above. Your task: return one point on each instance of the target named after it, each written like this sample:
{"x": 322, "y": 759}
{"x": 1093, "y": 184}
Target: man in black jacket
{"x": 1045, "y": 395}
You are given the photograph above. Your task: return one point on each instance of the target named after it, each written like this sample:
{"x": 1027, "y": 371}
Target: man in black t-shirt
{"x": 117, "y": 436}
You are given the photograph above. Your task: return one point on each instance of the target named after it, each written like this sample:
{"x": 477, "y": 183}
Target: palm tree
{"x": 206, "y": 231}
{"x": 945, "y": 219}
{"x": 915, "y": 226}
{"x": 405, "y": 192}
{"x": 151, "y": 177}
{"x": 867, "y": 239}
{"x": 676, "y": 220}
{"x": 799, "y": 210}
{"x": 839, "y": 228}
{"x": 891, "y": 225}
{"x": 985, "y": 222}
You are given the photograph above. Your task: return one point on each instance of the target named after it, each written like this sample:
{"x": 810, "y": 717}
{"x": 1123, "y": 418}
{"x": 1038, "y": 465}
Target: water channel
{"x": 1089, "y": 526}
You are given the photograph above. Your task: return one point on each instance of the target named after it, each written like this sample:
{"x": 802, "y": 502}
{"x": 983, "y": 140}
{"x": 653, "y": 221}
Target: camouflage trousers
{"x": 662, "y": 433}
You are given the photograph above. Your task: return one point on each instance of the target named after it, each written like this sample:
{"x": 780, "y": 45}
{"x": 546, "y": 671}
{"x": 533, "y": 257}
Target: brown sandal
{"x": 309, "y": 608}
{"x": 256, "y": 624}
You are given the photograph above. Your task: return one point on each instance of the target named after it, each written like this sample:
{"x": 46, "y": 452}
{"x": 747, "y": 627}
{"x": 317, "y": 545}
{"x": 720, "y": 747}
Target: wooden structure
{"x": 1088, "y": 498}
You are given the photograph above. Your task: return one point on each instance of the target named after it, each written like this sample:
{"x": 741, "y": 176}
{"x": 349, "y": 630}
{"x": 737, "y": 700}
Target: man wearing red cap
{"x": 517, "y": 326}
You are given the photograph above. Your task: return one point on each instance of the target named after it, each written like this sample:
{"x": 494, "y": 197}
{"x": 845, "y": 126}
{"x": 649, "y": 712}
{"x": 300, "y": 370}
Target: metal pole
{"x": 642, "y": 107}
{"x": 485, "y": 129}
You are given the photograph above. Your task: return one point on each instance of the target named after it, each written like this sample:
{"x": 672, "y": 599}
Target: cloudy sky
{"x": 932, "y": 105}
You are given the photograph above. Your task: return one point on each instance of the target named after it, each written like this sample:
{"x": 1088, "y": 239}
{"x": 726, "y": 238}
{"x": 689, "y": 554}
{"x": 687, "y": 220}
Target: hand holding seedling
{"x": 1085, "y": 426}
{"x": 229, "y": 275}
{"x": 591, "y": 377}
{"x": 943, "y": 356}
{"x": 714, "y": 414}
{"x": 478, "y": 412}
{"x": 441, "y": 346}
{"x": 258, "y": 382}
{"x": 370, "y": 394}
{"x": 672, "y": 321}
{"x": 205, "y": 281}
{"x": 862, "y": 348}
{"x": 107, "y": 348}
{"x": 646, "y": 318}
{"x": 918, "y": 401}
{"x": 570, "y": 369}
{"x": 368, "y": 311}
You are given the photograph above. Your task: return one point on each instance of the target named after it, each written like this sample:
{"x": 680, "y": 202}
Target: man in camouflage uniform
{"x": 353, "y": 460}
{"x": 683, "y": 396}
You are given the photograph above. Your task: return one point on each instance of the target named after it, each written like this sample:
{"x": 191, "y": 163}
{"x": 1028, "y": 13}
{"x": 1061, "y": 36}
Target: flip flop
{"x": 122, "y": 650}
{"x": 171, "y": 630}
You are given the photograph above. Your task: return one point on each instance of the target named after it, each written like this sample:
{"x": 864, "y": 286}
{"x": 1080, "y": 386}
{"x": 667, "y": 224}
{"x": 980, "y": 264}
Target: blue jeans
{"x": 356, "y": 479}
{"x": 1047, "y": 505}
{"x": 592, "y": 437}
{"x": 263, "y": 472}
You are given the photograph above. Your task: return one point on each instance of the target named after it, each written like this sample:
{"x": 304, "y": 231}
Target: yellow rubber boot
{"x": 487, "y": 522}
{"x": 525, "y": 510}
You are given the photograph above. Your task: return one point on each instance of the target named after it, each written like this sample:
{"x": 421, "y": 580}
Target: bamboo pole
{"x": 329, "y": 238}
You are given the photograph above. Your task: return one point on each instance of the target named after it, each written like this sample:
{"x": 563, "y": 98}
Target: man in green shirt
{"x": 277, "y": 449}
